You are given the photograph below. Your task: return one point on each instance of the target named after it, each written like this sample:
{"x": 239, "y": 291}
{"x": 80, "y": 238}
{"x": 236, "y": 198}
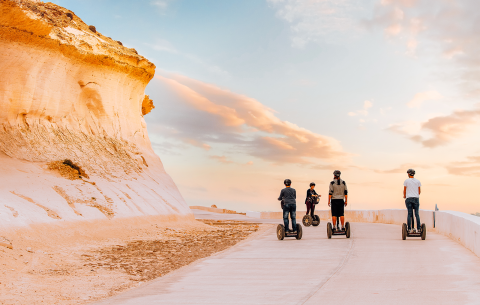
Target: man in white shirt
{"x": 411, "y": 193}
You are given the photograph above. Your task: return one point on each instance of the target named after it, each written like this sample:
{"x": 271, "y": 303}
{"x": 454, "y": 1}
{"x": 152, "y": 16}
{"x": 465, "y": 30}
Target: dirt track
{"x": 81, "y": 273}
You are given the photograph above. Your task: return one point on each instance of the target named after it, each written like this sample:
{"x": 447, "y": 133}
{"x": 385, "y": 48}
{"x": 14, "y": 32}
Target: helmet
{"x": 313, "y": 183}
{"x": 411, "y": 172}
{"x": 337, "y": 173}
{"x": 287, "y": 182}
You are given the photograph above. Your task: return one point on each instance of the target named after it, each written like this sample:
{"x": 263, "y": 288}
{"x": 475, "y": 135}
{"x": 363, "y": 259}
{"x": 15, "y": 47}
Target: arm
{"x": 345, "y": 192}
{"x": 405, "y": 191}
{"x": 419, "y": 191}
{"x": 281, "y": 195}
{"x": 330, "y": 193}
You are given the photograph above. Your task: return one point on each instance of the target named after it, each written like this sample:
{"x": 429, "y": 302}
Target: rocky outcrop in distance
{"x": 73, "y": 141}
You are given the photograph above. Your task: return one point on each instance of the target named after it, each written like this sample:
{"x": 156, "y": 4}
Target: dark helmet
{"x": 337, "y": 173}
{"x": 287, "y": 182}
{"x": 411, "y": 172}
{"x": 313, "y": 183}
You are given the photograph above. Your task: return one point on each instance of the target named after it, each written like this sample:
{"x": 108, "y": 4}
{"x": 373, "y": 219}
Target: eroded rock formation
{"x": 69, "y": 93}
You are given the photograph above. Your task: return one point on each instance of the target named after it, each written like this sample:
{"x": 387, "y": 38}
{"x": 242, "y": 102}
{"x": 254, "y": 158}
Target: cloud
{"x": 213, "y": 116}
{"x": 366, "y": 105}
{"x": 441, "y": 129}
{"x": 402, "y": 169}
{"x": 471, "y": 167}
{"x": 161, "y": 5}
{"x": 314, "y": 20}
{"x": 449, "y": 28}
{"x": 166, "y": 46}
{"x": 422, "y": 97}
{"x": 163, "y": 45}
{"x": 447, "y": 128}
{"x": 221, "y": 159}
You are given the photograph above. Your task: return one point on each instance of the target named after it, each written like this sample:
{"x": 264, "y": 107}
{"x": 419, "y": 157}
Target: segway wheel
{"x": 307, "y": 220}
{"x": 424, "y": 231}
{"x": 329, "y": 230}
{"x": 280, "y": 232}
{"x": 404, "y": 231}
{"x": 347, "y": 229}
{"x": 316, "y": 220}
{"x": 299, "y": 232}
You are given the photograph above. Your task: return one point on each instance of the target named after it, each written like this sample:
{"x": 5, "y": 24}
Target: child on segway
{"x": 311, "y": 200}
{"x": 337, "y": 192}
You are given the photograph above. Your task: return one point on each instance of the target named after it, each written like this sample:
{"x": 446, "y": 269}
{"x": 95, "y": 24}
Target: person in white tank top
{"x": 411, "y": 193}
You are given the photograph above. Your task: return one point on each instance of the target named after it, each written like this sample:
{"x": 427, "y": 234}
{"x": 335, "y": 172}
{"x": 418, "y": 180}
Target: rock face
{"x": 69, "y": 93}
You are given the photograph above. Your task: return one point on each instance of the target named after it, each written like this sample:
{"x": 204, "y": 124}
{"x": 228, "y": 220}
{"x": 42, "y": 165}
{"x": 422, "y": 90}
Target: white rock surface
{"x": 67, "y": 92}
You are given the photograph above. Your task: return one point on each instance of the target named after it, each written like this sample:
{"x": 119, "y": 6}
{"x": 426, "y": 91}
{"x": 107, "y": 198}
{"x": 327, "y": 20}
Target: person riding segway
{"x": 288, "y": 197}
{"x": 337, "y": 192}
{"x": 411, "y": 194}
{"x": 312, "y": 199}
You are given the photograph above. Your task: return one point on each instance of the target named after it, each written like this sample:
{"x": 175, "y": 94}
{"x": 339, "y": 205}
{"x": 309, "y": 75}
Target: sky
{"x": 248, "y": 93}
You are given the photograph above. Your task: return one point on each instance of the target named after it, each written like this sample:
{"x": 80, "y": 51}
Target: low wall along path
{"x": 459, "y": 226}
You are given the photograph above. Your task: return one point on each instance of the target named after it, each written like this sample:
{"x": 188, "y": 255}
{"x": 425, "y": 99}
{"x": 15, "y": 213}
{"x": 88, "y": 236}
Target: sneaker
{"x": 343, "y": 228}
{"x": 414, "y": 231}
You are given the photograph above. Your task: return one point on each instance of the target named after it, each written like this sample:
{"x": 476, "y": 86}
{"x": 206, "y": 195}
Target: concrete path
{"x": 373, "y": 267}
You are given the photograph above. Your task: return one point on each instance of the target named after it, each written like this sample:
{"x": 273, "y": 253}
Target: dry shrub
{"x": 67, "y": 169}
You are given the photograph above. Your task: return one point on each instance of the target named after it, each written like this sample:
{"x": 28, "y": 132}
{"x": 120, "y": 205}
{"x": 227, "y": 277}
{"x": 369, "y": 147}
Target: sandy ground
{"x": 79, "y": 265}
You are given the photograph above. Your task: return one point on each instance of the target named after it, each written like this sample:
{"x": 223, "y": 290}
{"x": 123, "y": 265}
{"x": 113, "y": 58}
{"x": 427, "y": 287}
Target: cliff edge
{"x": 73, "y": 141}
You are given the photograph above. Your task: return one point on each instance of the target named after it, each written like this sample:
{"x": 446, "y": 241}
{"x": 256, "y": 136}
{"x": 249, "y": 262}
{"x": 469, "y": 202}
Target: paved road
{"x": 374, "y": 266}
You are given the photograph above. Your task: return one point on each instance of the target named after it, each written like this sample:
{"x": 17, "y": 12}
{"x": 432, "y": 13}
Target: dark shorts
{"x": 338, "y": 207}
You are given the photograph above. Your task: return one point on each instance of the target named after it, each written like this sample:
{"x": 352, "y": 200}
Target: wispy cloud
{"x": 422, "y": 97}
{"x": 161, "y": 5}
{"x": 366, "y": 105}
{"x": 163, "y": 45}
{"x": 314, "y": 20}
{"x": 401, "y": 168}
{"x": 441, "y": 129}
{"x": 450, "y": 27}
{"x": 211, "y": 115}
{"x": 471, "y": 167}
{"x": 221, "y": 159}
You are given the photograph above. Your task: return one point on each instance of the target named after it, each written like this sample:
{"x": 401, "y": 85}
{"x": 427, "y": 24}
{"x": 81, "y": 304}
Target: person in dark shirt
{"x": 311, "y": 199}
{"x": 289, "y": 196}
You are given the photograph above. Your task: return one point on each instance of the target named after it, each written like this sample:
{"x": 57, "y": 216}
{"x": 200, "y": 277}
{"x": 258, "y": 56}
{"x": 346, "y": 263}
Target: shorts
{"x": 338, "y": 207}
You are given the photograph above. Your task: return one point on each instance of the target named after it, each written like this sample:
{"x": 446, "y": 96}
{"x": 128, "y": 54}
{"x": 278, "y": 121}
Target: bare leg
{"x": 334, "y": 221}
{"x": 342, "y": 220}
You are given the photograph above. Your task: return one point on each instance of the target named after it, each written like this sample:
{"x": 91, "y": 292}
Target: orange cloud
{"x": 222, "y": 116}
{"x": 422, "y": 97}
{"x": 402, "y": 169}
{"x": 221, "y": 159}
{"x": 466, "y": 168}
{"x": 444, "y": 129}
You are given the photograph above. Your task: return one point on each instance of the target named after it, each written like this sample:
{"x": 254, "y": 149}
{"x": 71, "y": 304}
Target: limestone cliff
{"x": 69, "y": 93}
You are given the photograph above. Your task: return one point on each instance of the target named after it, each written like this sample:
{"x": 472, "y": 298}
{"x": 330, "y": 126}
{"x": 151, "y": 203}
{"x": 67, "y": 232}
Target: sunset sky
{"x": 248, "y": 93}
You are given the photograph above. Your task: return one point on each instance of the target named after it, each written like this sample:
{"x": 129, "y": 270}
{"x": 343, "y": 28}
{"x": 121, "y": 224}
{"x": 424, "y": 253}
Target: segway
{"x": 331, "y": 232}
{"x": 422, "y": 233}
{"x": 281, "y": 233}
{"x": 312, "y": 221}
{"x": 309, "y": 221}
